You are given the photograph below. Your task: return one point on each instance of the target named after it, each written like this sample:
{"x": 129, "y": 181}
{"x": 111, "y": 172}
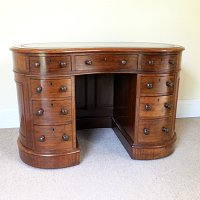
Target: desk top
{"x": 67, "y": 47}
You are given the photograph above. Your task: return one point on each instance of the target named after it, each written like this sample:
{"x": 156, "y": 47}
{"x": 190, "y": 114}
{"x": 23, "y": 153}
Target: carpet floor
{"x": 106, "y": 171}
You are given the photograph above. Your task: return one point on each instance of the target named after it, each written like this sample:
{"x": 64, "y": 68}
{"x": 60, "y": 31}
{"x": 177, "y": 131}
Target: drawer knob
{"x": 41, "y": 138}
{"x": 40, "y": 112}
{"x": 63, "y": 88}
{"x": 146, "y": 131}
{"x": 37, "y": 64}
{"x": 63, "y": 64}
{"x": 149, "y": 85}
{"x": 171, "y": 62}
{"x": 65, "y": 137}
{"x": 151, "y": 62}
{"x": 64, "y": 111}
{"x": 88, "y": 62}
{"x": 124, "y": 62}
{"x": 170, "y": 84}
{"x": 147, "y": 107}
{"x": 39, "y": 89}
{"x": 168, "y": 105}
{"x": 165, "y": 130}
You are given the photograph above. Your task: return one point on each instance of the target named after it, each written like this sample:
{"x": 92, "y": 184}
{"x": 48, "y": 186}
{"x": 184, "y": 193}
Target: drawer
{"x": 156, "y": 106}
{"x": 51, "y": 112}
{"x": 151, "y": 85}
{"x": 47, "y": 88}
{"x": 52, "y": 138}
{"x": 110, "y": 62}
{"x": 48, "y": 64}
{"x": 159, "y": 63}
{"x": 155, "y": 131}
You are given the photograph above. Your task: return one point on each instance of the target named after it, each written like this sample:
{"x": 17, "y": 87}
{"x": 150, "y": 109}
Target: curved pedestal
{"x": 65, "y": 159}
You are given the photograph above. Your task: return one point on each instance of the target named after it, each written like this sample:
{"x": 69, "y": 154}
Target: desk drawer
{"x": 49, "y": 64}
{"x": 51, "y": 88}
{"x": 157, "y": 63}
{"x": 51, "y": 112}
{"x": 156, "y": 106}
{"x": 157, "y": 85}
{"x": 109, "y": 62}
{"x": 52, "y": 138}
{"x": 155, "y": 131}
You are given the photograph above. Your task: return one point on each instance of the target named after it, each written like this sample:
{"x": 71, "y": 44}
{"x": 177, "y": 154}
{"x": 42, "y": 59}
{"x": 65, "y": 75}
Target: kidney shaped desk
{"x": 62, "y": 87}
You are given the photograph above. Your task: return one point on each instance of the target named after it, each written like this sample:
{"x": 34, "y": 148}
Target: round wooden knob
{"x": 165, "y": 130}
{"x": 63, "y": 64}
{"x": 65, "y": 137}
{"x": 40, "y": 112}
{"x": 147, "y": 107}
{"x": 151, "y": 62}
{"x": 171, "y": 62}
{"x": 149, "y": 85}
{"x": 64, "y": 111}
{"x": 41, "y": 138}
{"x": 146, "y": 131}
{"x": 63, "y": 88}
{"x": 168, "y": 105}
{"x": 88, "y": 62}
{"x": 37, "y": 64}
{"x": 124, "y": 62}
{"x": 39, "y": 89}
{"x": 170, "y": 84}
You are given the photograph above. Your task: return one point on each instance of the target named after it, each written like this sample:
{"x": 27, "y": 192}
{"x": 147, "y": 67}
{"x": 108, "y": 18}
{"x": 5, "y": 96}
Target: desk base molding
{"x": 66, "y": 159}
{"x": 144, "y": 152}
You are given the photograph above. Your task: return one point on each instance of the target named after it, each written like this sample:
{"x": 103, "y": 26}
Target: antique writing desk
{"x": 61, "y": 87}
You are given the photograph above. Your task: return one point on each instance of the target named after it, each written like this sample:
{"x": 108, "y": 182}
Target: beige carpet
{"x": 106, "y": 171}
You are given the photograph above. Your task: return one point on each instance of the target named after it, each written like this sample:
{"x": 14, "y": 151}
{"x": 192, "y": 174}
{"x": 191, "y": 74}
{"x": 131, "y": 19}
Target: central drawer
{"x": 51, "y": 112}
{"x": 109, "y": 62}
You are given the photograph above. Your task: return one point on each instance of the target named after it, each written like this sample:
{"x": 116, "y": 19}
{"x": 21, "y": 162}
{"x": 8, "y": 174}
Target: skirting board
{"x": 185, "y": 108}
{"x": 188, "y": 108}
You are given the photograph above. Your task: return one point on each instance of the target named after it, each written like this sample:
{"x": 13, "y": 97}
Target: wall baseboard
{"x": 185, "y": 108}
{"x": 188, "y": 108}
{"x": 9, "y": 118}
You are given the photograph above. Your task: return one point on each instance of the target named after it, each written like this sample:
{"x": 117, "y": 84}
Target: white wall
{"x": 172, "y": 21}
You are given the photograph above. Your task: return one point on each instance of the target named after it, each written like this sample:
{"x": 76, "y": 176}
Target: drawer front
{"x": 48, "y": 64}
{"x": 159, "y": 63}
{"x": 51, "y": 112}
{"x": 122, "y": 62}
{"x": 52, "y": 138}
{"x": 48, "y": 88}
{"x": 155, "y": 131}
{"x": 156, "y": 106}
{"x": 151, "y": 85}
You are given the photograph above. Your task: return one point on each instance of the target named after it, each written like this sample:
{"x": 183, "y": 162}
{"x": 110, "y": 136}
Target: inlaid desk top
{"x": 63, "y": 47}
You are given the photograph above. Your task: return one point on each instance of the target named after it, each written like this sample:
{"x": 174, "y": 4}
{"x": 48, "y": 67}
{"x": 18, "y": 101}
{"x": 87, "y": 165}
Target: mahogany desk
{"x": 61, "y": 87}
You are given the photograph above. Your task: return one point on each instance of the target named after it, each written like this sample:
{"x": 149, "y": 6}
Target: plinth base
{"x": 49, "y": 161}
{"x": 144, "y": 152}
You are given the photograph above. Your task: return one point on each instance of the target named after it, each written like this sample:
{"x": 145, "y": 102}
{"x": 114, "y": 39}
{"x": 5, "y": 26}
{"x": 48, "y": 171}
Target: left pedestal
{"x": 46, "y": 98}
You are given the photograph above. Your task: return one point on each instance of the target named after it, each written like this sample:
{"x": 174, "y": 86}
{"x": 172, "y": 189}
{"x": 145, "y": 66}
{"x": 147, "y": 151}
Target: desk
{"x": 62, "y": 87}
